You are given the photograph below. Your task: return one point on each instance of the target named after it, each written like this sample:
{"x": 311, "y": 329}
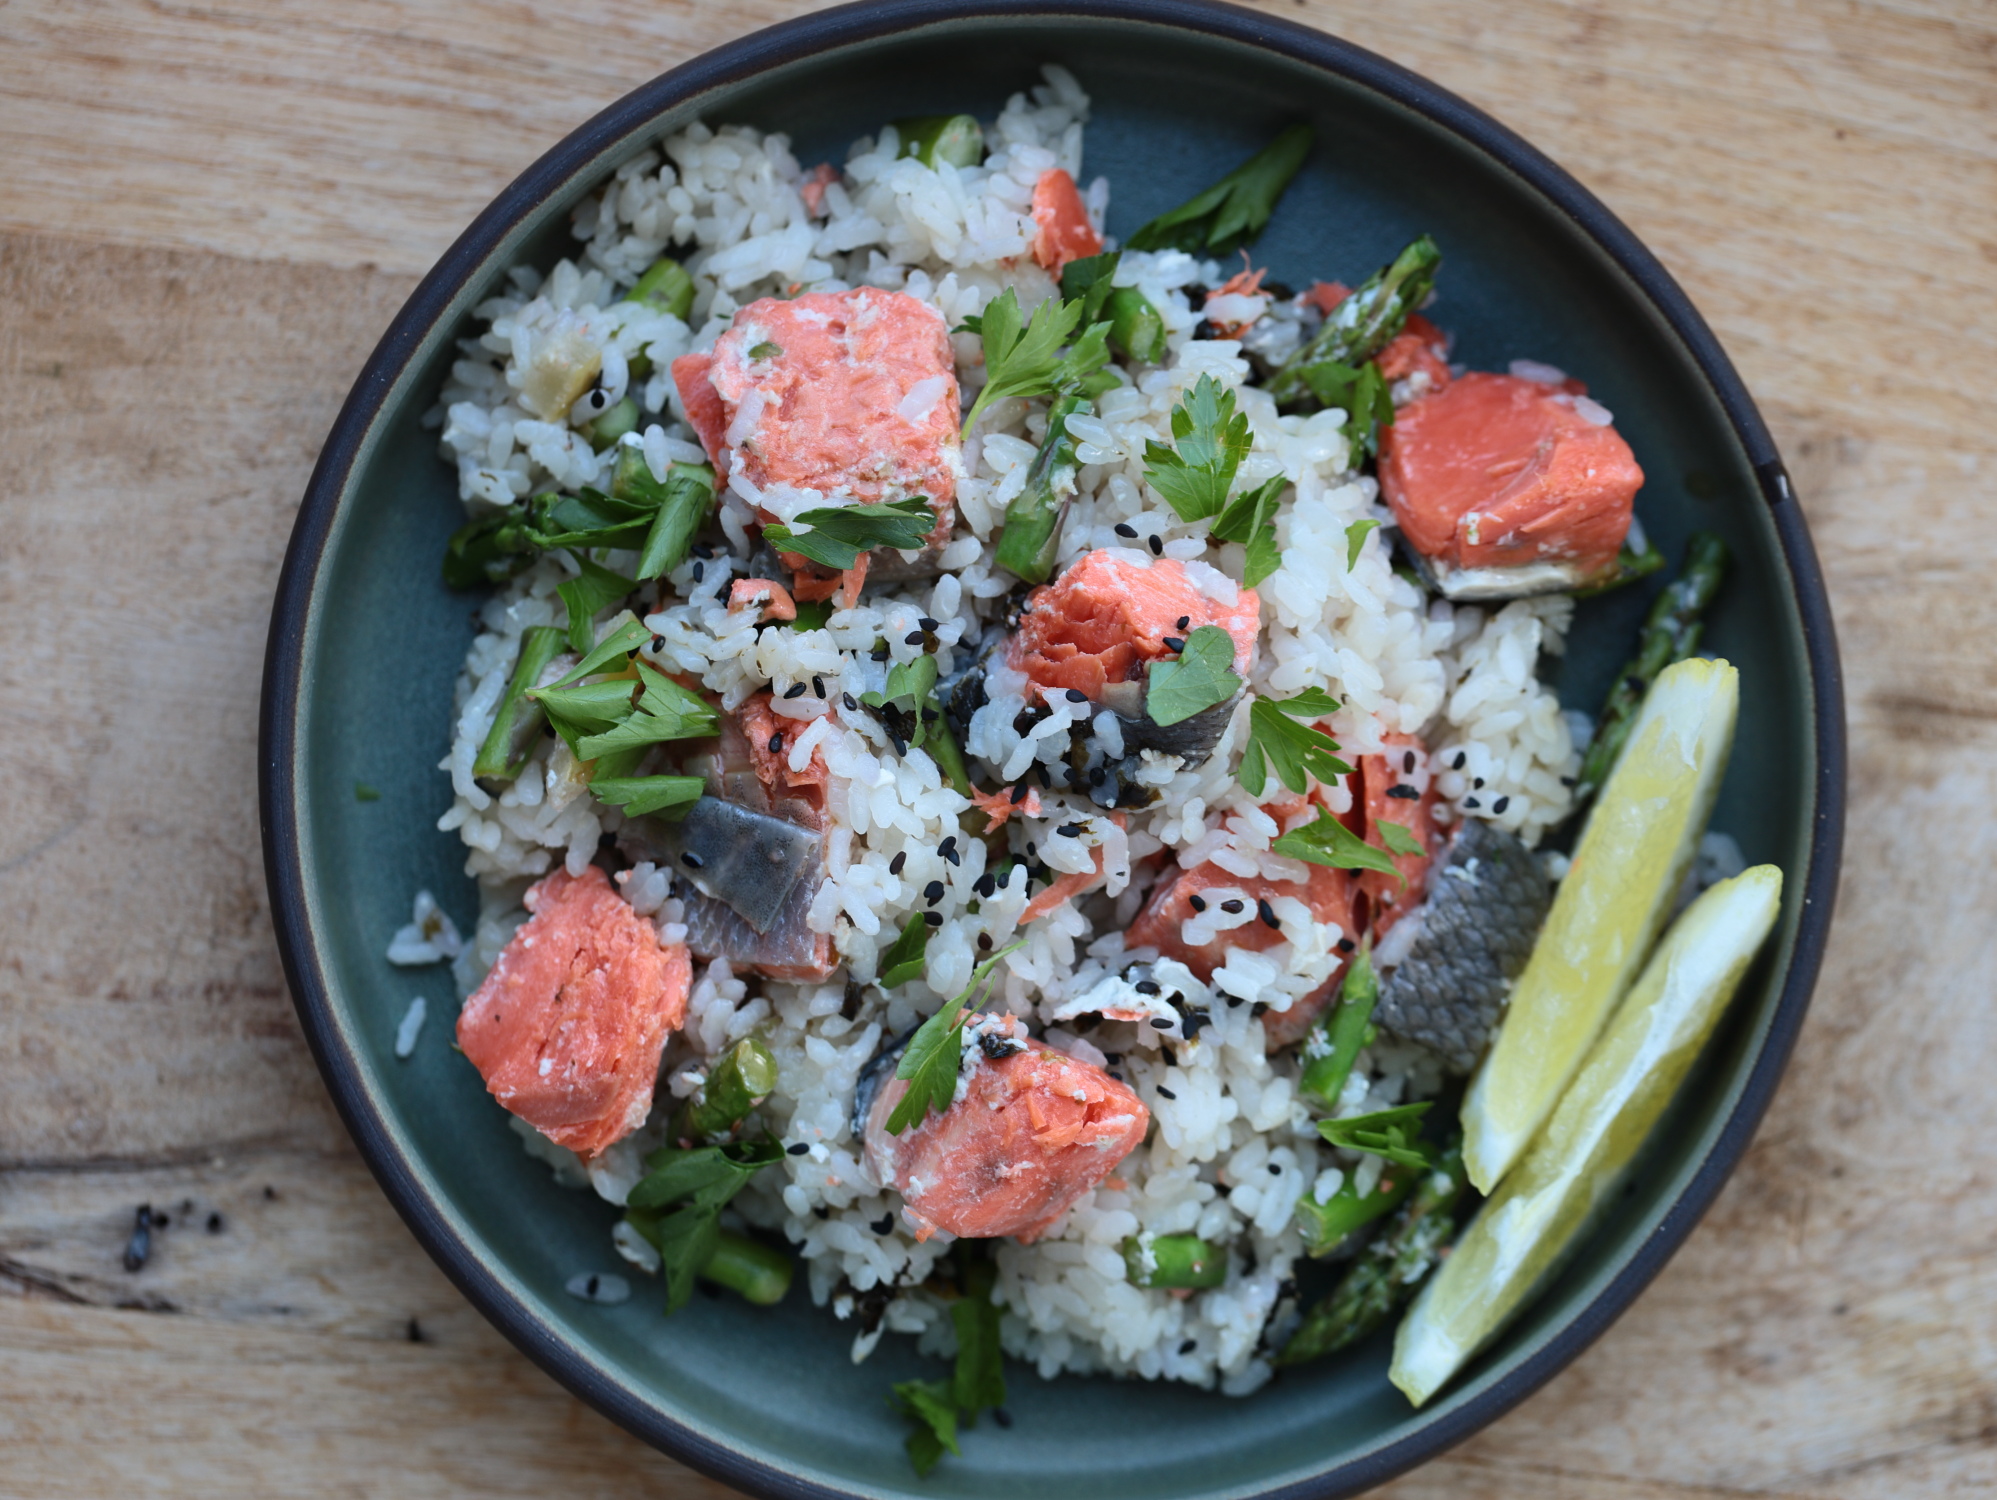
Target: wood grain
{"x": 208, "y": 213}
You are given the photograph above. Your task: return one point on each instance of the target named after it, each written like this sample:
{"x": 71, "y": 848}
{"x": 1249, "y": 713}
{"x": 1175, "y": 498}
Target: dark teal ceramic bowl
{"x": 365, "y": 644}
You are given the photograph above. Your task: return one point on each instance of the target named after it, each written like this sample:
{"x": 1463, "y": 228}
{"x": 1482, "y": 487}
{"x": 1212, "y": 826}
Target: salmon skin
{"x": 1032, "y": 1130}
{"x": 567, "y": 1028}
{"x": 1487, "y": 901}
{"x": 788, "y": 949}
{"x": 748, "y": 859}
{"x": 1506, "y": 487}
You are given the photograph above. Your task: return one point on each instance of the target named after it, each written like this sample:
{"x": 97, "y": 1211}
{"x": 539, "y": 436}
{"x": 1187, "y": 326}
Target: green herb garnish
{"x": 1398, "y": 838}
{"x": 1250, "y": 517}
{"x": 365, "y": 793}
{"x": 766, "y": 350}
{"x": 622, "y": 641}
{"x": 835, "y": 537}
{"x": 1027, "y": 361}
{"x": 907, "y": 955}
{"x": 812, "y": 614}
{"x": 639, "y": 795}
{"x": 1355, "y": 541}
{"x": 1210, "y": 439}
{"x": 1234, "y": 211}
{"x": 1090, "y": 281}
{"x": 1392, "y": 1133}
{"x": 907, "y": 709}
{"x": 978, "y": 1380}
{"x": 1361, "y": 393}
{"x": 595, "y": 588}
{"x": 1296, "y": 751}
{"x": 1201, "y": 677}
{"x": 930, "y": 1062}
{"x": 701, "y": 1181}
{"x": 1329, "y": 842}
{"x": 601, "y": 718}
{"x": 932, "y": 1406}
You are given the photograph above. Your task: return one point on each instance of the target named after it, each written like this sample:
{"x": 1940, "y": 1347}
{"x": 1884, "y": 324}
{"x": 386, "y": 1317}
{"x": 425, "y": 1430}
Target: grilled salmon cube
{"x": 567, "y": 1028}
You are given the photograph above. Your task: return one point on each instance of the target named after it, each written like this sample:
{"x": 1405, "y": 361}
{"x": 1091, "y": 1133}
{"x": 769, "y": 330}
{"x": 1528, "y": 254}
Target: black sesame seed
{"x": 1032, "y": 849}
{"x": 1267, "y": 913}
{"x": 658, "y": 644}
{"x": 818, "y": 687}
{"x": 1070, "y": 830}
{"x": 1471, "y": 802}
{"x": 1189, "y": 1346}
{"x": 1259, "y": 1008}
{"x": 1165, "y": 1093}
{"x": 880, "y": 651}
{"x": 1567, "y": 781}
{"x": 1156, "y": 543}
{"x": 214, "y": 1223}
{"x": 1098, "y": 775}
{"x": 1175, "y": 643}
{"x": 948, "y": 849}
{"x": 1114, "y": 1059}
{"x": 1146, "y": 987}
{"x": 1501, "y": 804}
{"x": 777, "y": 742}
{"x": 926, "y": 623}
{"x": 1045, "y": 780}
{"x": 590, "y": 1286}
{"x": 1124, "y": 528}
{"x": 913, "y": 638}
{"x": 933, "y": 918}
{"x": 1234, "y": 1002}
{"x": 822, "y": 1211}
{"x": 1182, "y": 622}
{"x": 1274, "y": 1170}
{"x": 1171, "y": 1057}
{"x": 849, "y": 703}
{"x": 691, "y": 860}
{"x": 1076, "y": 695}
{"x": 1232, "y": 907}
{"x": 798, "y": 1148}
{"x": 795, "y": 690}
{"x": 1408, "y": 762}
{"x": 1163, "y": 1023}
{"x": 1478, "y": 783}
{"x": 933, "y": 892}
{"x": 1405, "y": 792}
{"x": 1019, "y": 793}
{"x": 1196, "y": 1019}
{"x": 883, "y": 1225}
{"x": 1198, "y": 903}
{"x": 699, "y": 571}
{"x": 984, "y": 942}
{"x": 985, "y": 884}
{"x": 895, "y": 864}
{"x": 1346, "y": 945}
{"x": 701, "y": 549}
{"x": 1457, "y": 764}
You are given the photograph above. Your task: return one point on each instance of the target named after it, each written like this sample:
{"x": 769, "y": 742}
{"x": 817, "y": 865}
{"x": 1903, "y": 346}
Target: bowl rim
{"x": 286, "y": 674}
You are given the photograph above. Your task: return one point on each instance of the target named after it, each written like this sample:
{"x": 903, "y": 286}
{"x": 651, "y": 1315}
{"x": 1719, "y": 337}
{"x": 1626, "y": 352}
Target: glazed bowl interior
{"x": 367, "y": 644}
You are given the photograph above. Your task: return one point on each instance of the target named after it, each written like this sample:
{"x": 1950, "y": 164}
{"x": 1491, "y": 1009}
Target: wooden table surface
{"x": 209, "y": 209}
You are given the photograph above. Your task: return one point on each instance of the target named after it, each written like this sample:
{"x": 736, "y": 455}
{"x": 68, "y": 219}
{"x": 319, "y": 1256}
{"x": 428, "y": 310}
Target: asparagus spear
{"x": 1033, "y": 519}
{"x": 1671, "y": 633}
{"x": 666, "y": 287}
{"x": 1389, "y": 1269}
{"x": 1325, "y": 1225}
{"x": 1363, "y": 324}
{"x": 761, "y": 1273}
{"x": 1173, "y": 1260}
{"x": 613, "y": 424}
{"x": 740, "y": 1080}
{"x": 936, "y": 139}
{"x": 1136, "y": 331}
{"x": 518, "y": 721}
{"x": 1337, "y": 1035}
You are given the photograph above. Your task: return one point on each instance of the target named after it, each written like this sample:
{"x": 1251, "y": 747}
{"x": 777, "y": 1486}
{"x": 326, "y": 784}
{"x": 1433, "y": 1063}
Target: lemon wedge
{"x": 1574, "y": 1164}
{"x": 1631, "y": 861}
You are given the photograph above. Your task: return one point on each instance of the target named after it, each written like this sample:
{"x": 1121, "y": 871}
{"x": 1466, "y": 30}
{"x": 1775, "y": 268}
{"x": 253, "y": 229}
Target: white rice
{"x": 1233, "y": 1147}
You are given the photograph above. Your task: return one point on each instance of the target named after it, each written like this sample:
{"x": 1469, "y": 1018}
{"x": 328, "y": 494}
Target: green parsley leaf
{"x": 812, "y": 614}
{"x": 1392, "y": 1133}
{"x": 928, "y": 1404}
{"x": 979, "y": 1379}
{"x": 836, "y": 536}
{"x": 1329, "y": 842}
{"x": 1397, "y": 837}
{"x": 1361, "y": 393}
{"x": 365, "y": 793}
{"x": 930, "y": 1062}
{"x": 908, "y": 710}
{"x": 1296, "y": 751}
{"x": 766, "y": 350}
{"x": 594, "y": 589}
{"x": 588, "y": 519}
{"x": 621, "y": 641}
{"x": 665, "y": 711}
{"x": 1234, "y": 211}
{"x": 686, "y": 500}
{"x": 1028, "y": 361}
{"x": 701, "y": 1180}
{"x": 1201, "y": 677}
{"x": 587, "y": 708}
{"x": 1210, "y": 440}
{"x": 639, "y": 795}
{"x": 1355, "y": 541}
{"x": 1361, "y": 325}
{"x": 1091, "y": 280}
{"x": 907, "y": 955}
{"x": 1251, "y": 517}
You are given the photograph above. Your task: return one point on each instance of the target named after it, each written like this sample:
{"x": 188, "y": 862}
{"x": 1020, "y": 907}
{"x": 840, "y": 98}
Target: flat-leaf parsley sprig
{"x": 1297, "y": 752}
{"x": 1027, "y": 361}
{"x": 930, "y": 1062}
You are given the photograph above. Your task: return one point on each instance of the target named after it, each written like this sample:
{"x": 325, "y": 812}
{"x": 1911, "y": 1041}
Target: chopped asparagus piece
{"x": 1337, "y": 1035}
{"x": 935, "y": 140}
{"x": 1173, "y": 1260}
{"x": 666, "y": 287}
{"x": 1389, "y": 1270}
{"x": 517, "y": 724}
{"x": 1326, "y": 1224}
{"x": 1670, "y": 634}
{"x": 1033, "y": 519}
{"x": 740, "y": 1079}
{"x": 759, "y": 1272}
{"x": 612, "y": 425}
{"x": 1364, "y": 323}
{"x": 1136, "y": 331}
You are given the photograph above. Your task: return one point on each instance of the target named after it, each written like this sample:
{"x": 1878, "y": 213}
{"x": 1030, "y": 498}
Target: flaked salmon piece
{"x": 1231, "y": 318}
{"x": 770, "y": 600}
{"x": 1030, "y": 1133}
{"x": 1385, "y": 781}
{"x": 1419, "y": 347}
{"x": 1499, "y": 472}
{"x": 1065, "y": 232}
{"x": 1325, "y": 295}
{"x": 567, "y": 1028}
{"x": 838, "y": 398}
{"x": 704, "y": 411}
{"x": 999, "y": 805}
{"x": 1181, "y": 895}
{"x": 812, "y": 584}
{"x": 1101, "y": 621}
{"x": 770, "y": 737}
{"x": 812, "y": 189}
